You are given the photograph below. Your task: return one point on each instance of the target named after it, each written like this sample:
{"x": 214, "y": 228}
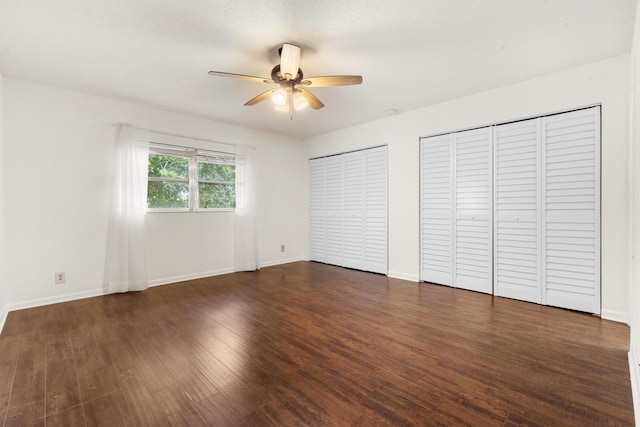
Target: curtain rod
{"x": 185, "y": 136}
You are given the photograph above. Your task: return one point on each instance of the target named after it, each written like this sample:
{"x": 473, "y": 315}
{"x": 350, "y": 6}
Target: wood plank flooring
{"x": 311, "y": 344}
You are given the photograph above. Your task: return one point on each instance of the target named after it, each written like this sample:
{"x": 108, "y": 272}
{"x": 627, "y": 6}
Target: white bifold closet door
{"x": 547, "y": 210}
{"x": 457, "y": 237}
{"x": 317, "y": 210}
{"x": 517, "y": 270}
{"x": 436, "y": 206}
{"x": 375, "y": 209}
{"x": 348, "y": 210}
{"x": 571, "y": 210}
{"x": 335, "y": 209}
{"x": 472, "y": 234}
{"x": 542, "y": 243}
{"x": 354, "y": 206}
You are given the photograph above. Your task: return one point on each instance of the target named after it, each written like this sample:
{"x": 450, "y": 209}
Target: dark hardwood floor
{"x": 311, "y": 344}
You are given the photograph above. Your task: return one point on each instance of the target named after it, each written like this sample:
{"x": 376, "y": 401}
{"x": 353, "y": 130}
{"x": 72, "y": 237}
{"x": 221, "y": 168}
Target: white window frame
{"x": 194, "y": 156}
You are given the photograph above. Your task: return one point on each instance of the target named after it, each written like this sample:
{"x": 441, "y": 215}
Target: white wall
{"x": 634, "y": 196}
{"x": 3, "y": 282}
{"x": 58, "y": 147}
{"x": 604, "y": 82}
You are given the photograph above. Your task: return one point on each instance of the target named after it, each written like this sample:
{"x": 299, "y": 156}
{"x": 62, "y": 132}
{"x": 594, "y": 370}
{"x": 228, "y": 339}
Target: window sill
{"x": 154, "y": 211}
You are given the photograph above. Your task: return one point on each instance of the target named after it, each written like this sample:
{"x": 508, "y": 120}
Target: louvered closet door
{"x": 354, "y": 207}
{"x": 473, "y": 236}
{"x": 436, "y": 174}
{"x": 516, "y": 211}
{"x": 335, "y": 209}
{"x": 571, "y": 223}
{"x": 317, "y": 210}
{"x": 375, "y": 160}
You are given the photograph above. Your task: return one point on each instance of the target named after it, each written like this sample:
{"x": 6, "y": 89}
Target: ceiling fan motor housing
{"x": 277, "y": 77}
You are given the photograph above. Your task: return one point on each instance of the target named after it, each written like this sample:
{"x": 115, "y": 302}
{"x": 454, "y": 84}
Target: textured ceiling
{"x": 411, "y": 53}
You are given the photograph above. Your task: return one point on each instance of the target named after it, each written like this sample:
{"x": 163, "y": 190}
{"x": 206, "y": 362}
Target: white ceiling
{"x": 411, "y": 53}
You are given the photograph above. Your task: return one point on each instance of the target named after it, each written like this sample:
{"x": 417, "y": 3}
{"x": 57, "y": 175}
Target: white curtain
{"x": 126, "y": 265}
{"x": 245, "y": 257}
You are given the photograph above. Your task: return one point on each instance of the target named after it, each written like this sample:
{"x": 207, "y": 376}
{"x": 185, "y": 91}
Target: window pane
{"x": 163, "y": 166}
{"x": 216, "y": 172}
{"x": 167, "y": 194}
{"x": 216, "y": 195}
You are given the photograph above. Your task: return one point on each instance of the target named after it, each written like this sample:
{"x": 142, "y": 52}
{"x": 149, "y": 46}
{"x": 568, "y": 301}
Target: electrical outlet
{"x": 60, "y": 278}
{"x": 281, "y": 248}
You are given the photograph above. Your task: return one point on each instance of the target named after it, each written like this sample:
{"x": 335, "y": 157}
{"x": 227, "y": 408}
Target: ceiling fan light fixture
{"x": 280, "y": 97}
{"x": 299, "y": 101}
{"x": 284, "y": 108}
{"x": 289, "y": 61}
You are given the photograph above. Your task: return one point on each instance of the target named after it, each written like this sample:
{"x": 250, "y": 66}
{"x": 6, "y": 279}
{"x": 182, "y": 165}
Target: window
{"x": 190, "y": 180}
{"x": 168, "y": 186}
{"x": 216, "y": 183}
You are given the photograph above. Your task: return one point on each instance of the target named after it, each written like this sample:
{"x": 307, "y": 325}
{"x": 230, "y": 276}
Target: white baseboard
{"x": 281, "y": 261}
{"x": 404, "y": 276}
{"x": 634, "y": 371}
{"x": 4, "y": 311}
{"x": 56, "y": 299}
{"x": 616, "y": 316}
{"x": 185, "y": 277}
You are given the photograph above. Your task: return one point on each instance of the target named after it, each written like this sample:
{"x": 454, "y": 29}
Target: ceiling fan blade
{"x": 259, "y": 98}
{"x": 314, "y": 102}
{"x": 326, "y": 81}
{"x": 241, "y": 76}
{"x": 289, "y": 61}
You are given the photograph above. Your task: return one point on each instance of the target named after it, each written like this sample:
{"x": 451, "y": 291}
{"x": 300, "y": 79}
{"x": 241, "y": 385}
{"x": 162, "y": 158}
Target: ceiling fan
{"x": 288, "y": 75}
